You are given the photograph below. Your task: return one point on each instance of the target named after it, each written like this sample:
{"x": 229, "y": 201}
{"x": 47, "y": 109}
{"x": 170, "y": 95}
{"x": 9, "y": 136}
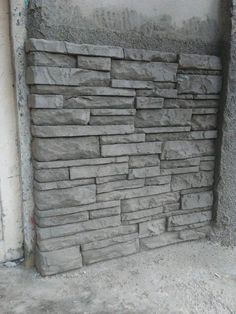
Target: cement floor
{"x": 194, "y": 277}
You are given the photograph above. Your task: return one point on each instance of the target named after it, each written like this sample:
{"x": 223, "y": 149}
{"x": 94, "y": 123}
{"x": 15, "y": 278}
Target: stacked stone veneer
{"x": 123, "y": 150}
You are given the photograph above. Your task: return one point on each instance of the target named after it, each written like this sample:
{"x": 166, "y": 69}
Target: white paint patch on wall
{"x": 11, "y": 237}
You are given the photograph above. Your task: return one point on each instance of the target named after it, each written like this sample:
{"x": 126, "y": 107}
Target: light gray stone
{"x": 163, "y": 117}
{"x": 75, "y": 131}
{"x": 101, "y": 180}
{"x": 165, "y": 172}
{"x": 150, "y": 71}
{"x": 192, "y": 180}
{"x": 66, "y": 76}
{"x": 112, "y": 120}
{"x": 157, "y": 92}
{"x": 194, "y": 61}
{"x": 195, "y": 135}
{"x": 171, "y": 207}
{"x": 113, "y": 112}
{"x": 207, "y": 97}
{"x": 94, "y": 50}
{"x": 109, "y": 242}
{"x": 51, "y": 60}
{"x": 132, "y": 84}
{"x": 60, "y": 116}
{"x": 94, "y": 63}
{"x": 54, "y": 46}
{"x": 166, "y": 164}
{"x": 197, "y": 104}
{"x": 187, "y": 219}
{"x": 165, "y": 129}
{"x": 187, "y": 149}
{"x": 149, "y": 103}
{"x": 122, "y": 139}
{"x": 150, "y": 228}
{"x": 80, "y": 162}
{"x": 144, "y": 161}
{"x": 164, "y": 239}
{"x": 197, "y": 200}
{"x": 133, "y": 193}
{"x": 98, "y": 171}
{"x": 62, "y": 184}
{"x": 205, "y": 110}
{"x": 144, "y": 172}
{"x": 133, "y": 216}
{"x": 196, "y": 190}
{"x": 119, "y": 185}
{"x": 149, "y": 55}
{"x": 65, "y": 197}
{"x": 147, "y": 202}
{"x": 207, "y": 165}
{"x": 64, "y": 148}
{"x": 99, "y": 102}
{"x": 107, "y": 212}
{"x": 158, "y": 180}
{"x": 89, "y": 237}
{"x": 131, "y": 149}
{"x": 82, "y": 91}
{"x": 54, "y": 262}
{"x": 196, "y": 234}
{"x": 61, "y": 220}
{"x": 45, "y": 101}
{"x": 114, "y": 251}
{"x": 199, "y": 84}
{"x": 48, "y": 175}
{"x": 70, "y": 229}
{"x": 204, "y": 122}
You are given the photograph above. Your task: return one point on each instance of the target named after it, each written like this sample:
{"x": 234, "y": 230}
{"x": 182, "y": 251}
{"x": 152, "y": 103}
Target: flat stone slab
{"x": 191, "y": 218}
{"x": 112, "y": 120}
{"x": 51, "y": 60}
{"x": 149, "y": 55}
{"x": 197, "y": 200}
{"x": 154, "y": 227}
{"x": 47, "y": 175}
{"x": 149, "y": 103}
{"x": 199, "y": 84}
{"x": 194, "y": 61}
{"x": 122, "y": 139}
{"x": 144, "y": 161}
{"x": 45, "y": 101}
{"x": 94, "y": 63}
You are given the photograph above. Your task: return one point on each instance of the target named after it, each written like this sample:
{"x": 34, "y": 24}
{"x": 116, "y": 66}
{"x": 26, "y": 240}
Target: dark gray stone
{"x": 199, "y": 84}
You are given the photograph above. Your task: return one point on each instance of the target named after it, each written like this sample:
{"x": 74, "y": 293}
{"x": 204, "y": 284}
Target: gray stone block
{"x": 144, "y": 161}
{"x": 204, "y": 122}
{"x": 100, "y": 180}
{"x": 76, "y": 131}
{"x": 114, "y": 251}
{"x": 45, "y": 101}
{"x": 94, "y": 63}
{"x": 113, "y": 112}
{"x": 147, "y": 202}
{"x": 61, "y": 184}
{"x": 61, "y": 220}
{"x": 99, "y": 102}
{"x": 149, "y": 55}
{"x": 112, "y": 120}
{"x": 107, "y": 212}
{"x": 195, "y": 135}
{"x": 66, "y": 76}
{"x": 144, "y": 172}
{"x": 152, "y": 228}
{"x": 119, "y": 185}
{"x": 54, "y": 46}
{"x": 150, "y": 71}
{"x": 171, "y": 207}
{"x": 149, "y": 103}
{"x": 65, "y": 197}
{"x": 158, "y": 180}
{"x": 98, "y": 171}
{"x": 157, "y": 92}
{"x": 199, "y": 84}
{"x": 164, "y": 239}
{"x": 122, "y": 139}
{"x": 49, "y": 175}
{"x": 163, "y": 117}
{"x": 187, "y": 219}
{"x": 197, "y": 104}
{"x": 165, "y": 172}
{"x": 207, "y": 165}
{"x": 85, "y": 237}
{"x": 50, "y": 263}
{"x": 195, "y": 234}
{"x": 131, "y": 149}
{"x": 197, "y": 200}
{"x": 190, "y": 162}
{"x": 192, "y": 180}
{"x": 81, "y": 91}
{"x": 60, "y": 116}
{"x": 132, "y": 84}
{"x": 64, "y": 230}
{"x": 164, "y": 129}
{"x": 203, "y": 111}
{"x": 187, "y": 149}
{"x": 64, "y": 148}
{"x": 194, "y": 61}
{"x": 51, "y": 60}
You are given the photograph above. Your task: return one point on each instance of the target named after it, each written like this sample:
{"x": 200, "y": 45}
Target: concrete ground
{"x": 194, "y": 277}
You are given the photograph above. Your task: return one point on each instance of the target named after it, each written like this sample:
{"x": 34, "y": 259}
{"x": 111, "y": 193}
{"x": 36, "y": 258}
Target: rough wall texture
{"x": 188, "y": 26}
{"x": 123, "y": 148}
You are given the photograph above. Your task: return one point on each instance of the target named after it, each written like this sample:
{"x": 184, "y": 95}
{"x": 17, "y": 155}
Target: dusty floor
{"x": 188, "y": 278}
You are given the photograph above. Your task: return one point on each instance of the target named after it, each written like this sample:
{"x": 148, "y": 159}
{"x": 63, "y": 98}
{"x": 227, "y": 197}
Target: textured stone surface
{"x": 153, "y": 71}
{"x": 61, "y": 148}
{"x": 61, "y": 184}
{"x": 158, "y": 92}
{"x": 131, "y": 149}
{"x": 122, "y": 139}
{"x": 144, "y": 161}
{"x": 51, "y": 60}
{"x": 112, "y": 120}
{"x": 204, "y": 122}
{"x": 119, "y": 185}
{"x": 154, "y": 227}
{"x": 199, "y": 84}
{"x": 45, "y": 101}
{"x": 191, "y": 61}
{"x": 186, "y": 219}
{"x": 142, "y": 214}
{"x": 144, "y": 172}
{"x": 61, "y": 220}
{"x": 197, "y": 200}
{"x": 164, "y": 239}
{"x": 66, "y": 76}
{"x": 113, "y": 112}
{"x": 94, "y": 63}
{"x": 47, "y": 175}
{"x": 60, "y": 116}
{"x": 149, "y": 103}
{"x": 149, "y": 55}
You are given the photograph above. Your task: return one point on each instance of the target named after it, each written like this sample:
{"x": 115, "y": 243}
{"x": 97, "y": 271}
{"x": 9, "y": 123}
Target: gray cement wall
{"x": 183, "y": 25}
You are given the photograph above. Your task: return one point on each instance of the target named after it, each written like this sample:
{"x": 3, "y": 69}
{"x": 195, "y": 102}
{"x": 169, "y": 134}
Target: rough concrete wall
{"x": 11, "y": 235}
{"x": 123, "y": 148}
{"x": 225, "y": 207}
{"x": 183, "y": 25}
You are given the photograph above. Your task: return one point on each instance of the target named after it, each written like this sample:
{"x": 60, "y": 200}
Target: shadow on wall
{"x": 127, "y": 28}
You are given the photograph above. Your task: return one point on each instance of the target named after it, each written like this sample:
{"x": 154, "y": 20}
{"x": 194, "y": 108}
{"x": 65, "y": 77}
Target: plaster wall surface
{"x": 10, "y": 191}
{"x": 184, "y": 25}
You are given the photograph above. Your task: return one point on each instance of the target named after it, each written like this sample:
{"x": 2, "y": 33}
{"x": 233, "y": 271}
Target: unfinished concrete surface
{"x": 196, "y": 278}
